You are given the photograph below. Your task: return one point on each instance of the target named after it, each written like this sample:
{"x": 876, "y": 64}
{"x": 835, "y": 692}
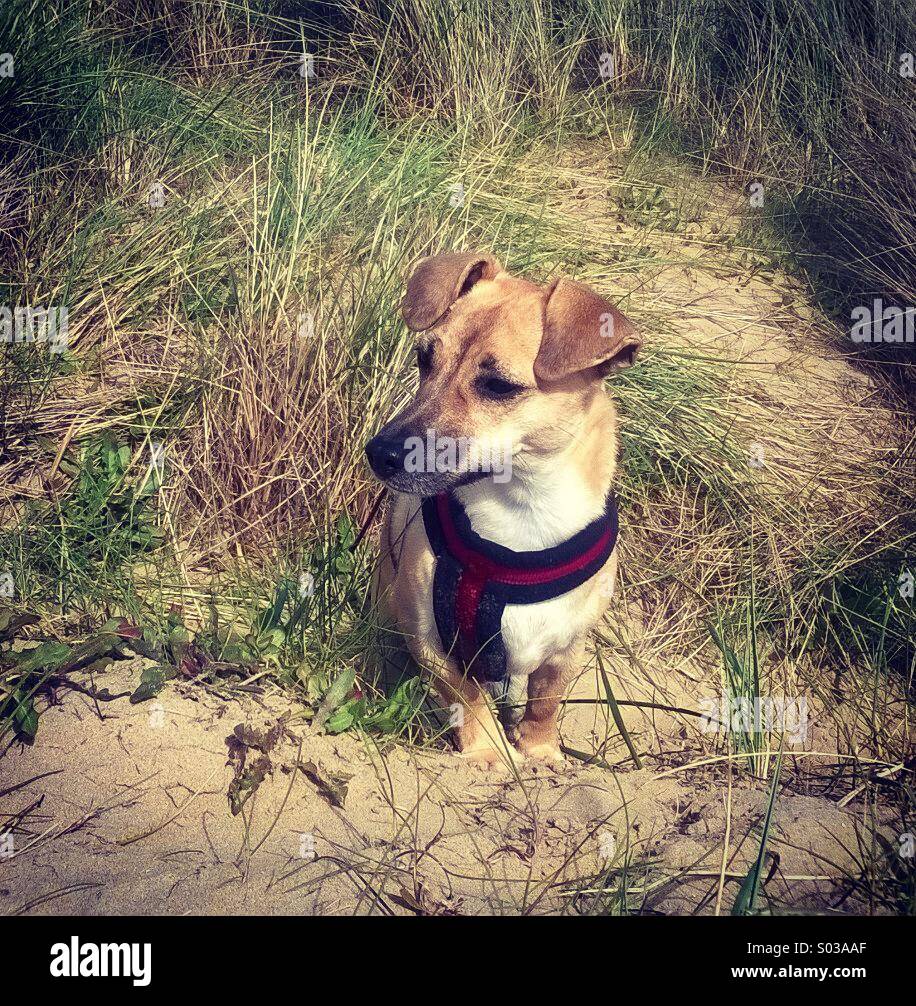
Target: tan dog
{"x": 514, "y": 370}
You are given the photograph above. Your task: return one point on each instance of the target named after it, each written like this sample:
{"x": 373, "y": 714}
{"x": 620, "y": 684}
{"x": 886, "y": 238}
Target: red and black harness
{"x": 475, "y": 579}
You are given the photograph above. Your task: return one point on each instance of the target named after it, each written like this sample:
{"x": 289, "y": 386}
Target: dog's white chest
{"x": 532, "y": 633}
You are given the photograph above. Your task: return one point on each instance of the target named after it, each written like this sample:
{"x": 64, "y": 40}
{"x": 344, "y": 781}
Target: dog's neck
{"x": 549, "y": 498}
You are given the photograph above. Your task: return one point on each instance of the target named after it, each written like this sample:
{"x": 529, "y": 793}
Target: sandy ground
{"x": 129, "y": 814}
{"x": 122, "y": 808}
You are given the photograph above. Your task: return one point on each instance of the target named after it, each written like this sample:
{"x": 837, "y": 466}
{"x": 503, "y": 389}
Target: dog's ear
{"x": 438, "y": 281}
{"x": 583, "y": 331}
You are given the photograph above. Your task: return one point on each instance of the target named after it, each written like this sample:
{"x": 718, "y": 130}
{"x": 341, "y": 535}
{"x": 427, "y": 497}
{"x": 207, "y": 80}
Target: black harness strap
{"x": 476, "y": 578}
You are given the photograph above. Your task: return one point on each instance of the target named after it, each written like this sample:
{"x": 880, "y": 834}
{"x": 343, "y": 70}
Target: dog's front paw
{"x": 546, "y": 754}
{"x": 487, "y": 756}
{"x": 539, "y": 745}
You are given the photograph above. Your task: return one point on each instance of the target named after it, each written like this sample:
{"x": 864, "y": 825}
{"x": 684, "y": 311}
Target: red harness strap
{"x": 478, "y": 570}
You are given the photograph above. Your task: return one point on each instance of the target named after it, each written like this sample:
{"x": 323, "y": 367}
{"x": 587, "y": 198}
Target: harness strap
{"x": 476, "y": 578}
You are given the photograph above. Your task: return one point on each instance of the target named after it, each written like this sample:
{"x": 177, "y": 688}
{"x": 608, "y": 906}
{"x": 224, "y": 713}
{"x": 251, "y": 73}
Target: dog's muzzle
{"x": 396, "y": 460}
{"x": 387, "y": 455}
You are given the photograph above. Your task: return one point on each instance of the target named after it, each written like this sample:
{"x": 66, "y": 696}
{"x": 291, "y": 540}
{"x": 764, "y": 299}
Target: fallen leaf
{"x": 333, "y": 789}
{"x": 152, "y": 681}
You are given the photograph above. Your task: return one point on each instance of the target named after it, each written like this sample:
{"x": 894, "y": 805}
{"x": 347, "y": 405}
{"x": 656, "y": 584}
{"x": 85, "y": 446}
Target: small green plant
{"x": 26, "y": 670}
{"x": 386, "y": 714}
{"x": 741, "y": 682}
{"x": 75, "y": 546}
{"x": 312, "y": 612}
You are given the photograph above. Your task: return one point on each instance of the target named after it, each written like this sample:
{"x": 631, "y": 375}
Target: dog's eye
{"x": 497, "y": 388}
{"x": 424, "y": 357}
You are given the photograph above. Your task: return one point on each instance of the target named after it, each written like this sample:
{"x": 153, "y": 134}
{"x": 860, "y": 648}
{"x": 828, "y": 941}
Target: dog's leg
{"x": 480, "y": 736}
{"x": 537, "y": 736}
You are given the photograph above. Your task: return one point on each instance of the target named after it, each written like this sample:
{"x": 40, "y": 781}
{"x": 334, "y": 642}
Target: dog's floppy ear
{"x": 438, "y": 281}
{"x": 583, "y": 331}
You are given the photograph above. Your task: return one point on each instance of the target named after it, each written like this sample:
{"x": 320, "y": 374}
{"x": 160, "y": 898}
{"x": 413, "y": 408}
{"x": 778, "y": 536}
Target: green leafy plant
{"x": 105, "y": 520}
{"x": 25, "y": 671}
{"x": 386, "y": 715}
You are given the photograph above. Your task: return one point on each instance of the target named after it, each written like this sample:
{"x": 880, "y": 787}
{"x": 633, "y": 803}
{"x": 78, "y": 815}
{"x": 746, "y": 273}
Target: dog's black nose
{"x": 386, "y": 455}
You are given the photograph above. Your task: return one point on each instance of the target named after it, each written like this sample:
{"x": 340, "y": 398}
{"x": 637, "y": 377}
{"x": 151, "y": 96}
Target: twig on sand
{"x": 175, "y": 816}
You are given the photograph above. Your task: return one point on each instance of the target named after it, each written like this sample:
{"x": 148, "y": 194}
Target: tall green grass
{"x": 806, "y": 98}
{"x": 250, "y": 323}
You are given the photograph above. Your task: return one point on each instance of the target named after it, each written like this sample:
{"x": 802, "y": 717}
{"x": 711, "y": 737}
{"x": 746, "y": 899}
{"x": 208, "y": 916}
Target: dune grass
{"x": 231, "y": 239}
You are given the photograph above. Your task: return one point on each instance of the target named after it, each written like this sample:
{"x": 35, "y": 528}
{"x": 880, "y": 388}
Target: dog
{"x": 498, "y": 559}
